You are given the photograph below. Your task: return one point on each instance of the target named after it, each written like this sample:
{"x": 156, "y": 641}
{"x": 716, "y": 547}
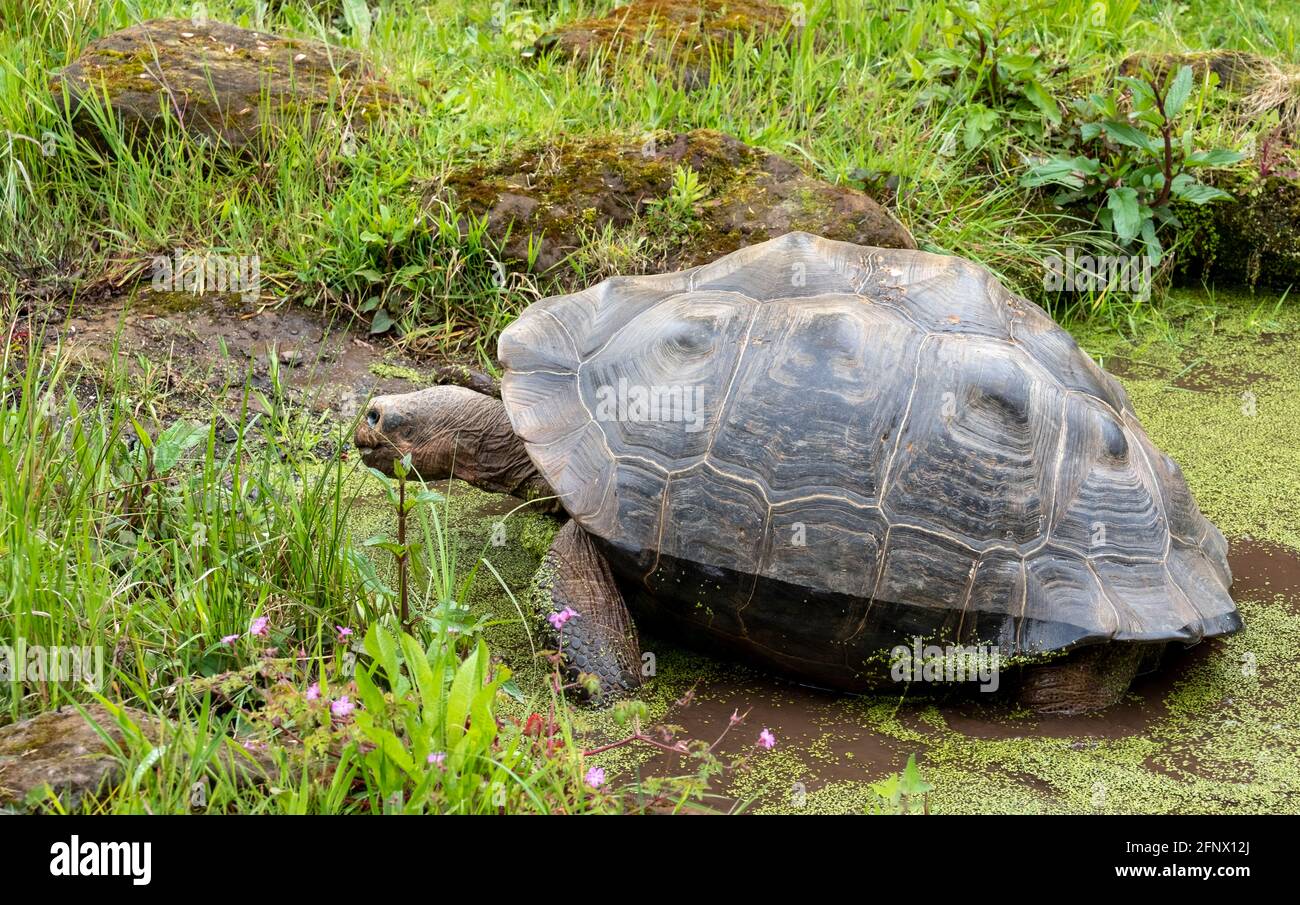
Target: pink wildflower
{"x": 596, "y": 777}
{"x": 230, "y": 639}
{"x": 313, "y": 691}
{"x": 342, "y": 708}
{"x": 766, "y": 740}
{"x": 558, "y": 620}
{"x": 259, "y": 627}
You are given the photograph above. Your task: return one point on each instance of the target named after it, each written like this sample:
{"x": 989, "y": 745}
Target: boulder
{"x": 217, "y": 81}
{"x": 63, "y": 751}
{"x": 683, "y": 31}
{"x": 559, "y": 197}
{"x": 60, "y": 749}
{"x": 1252, "y": 240}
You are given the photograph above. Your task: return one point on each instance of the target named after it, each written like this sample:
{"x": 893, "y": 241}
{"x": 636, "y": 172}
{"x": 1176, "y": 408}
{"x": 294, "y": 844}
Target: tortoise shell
{"x": 810, "y": 451}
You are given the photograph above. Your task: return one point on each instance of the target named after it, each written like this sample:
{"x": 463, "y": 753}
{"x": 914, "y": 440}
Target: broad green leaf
{"x": 173, "y": 443}
{"x": 371, "y": 697}
{"x": 1068, "y": 172}
{"x": 1040, "y": 98}
{"x": 1152, "y": 242}
{"x": 382, "y": 323}
{"x": 417, "y": 664}
{"x": 387, "y": 654}
{"x": 1180, "y": 89}
{"x": 1139, "y": 87}
{"x": 1197, "y": 193}
{"x": 912, "y": 783}
{"x": 390, "y": 744}
{"x": 1125, "y": 212}
{"x": 1128, "y": 134}
{"x": 356, "y": 13}
{"x": 460, "y": 698}
{"x": 1219, "y": 157}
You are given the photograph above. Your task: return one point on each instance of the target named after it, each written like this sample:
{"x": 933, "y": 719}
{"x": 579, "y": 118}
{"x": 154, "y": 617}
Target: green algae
{"x": 399, "y": 372}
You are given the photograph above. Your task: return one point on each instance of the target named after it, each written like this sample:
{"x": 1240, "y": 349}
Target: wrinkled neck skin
{"x": 494, "y": 459}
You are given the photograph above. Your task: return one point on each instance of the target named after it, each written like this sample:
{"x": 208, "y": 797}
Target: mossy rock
{"x": 1251, "y": 240}
{"x": 683, "y": 33}
{"x": 61, "y": 750}
{"x": 1239, "y": 71}
{"x": 219, "y": 82}
{"x": 558, "y": 195}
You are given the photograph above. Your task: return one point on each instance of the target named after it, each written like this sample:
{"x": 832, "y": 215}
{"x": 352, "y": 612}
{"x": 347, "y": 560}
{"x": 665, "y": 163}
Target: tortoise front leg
{"x": 585, "y": 614}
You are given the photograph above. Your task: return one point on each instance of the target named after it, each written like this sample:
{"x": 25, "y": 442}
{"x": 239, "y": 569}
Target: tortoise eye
{"x": 372, "y": 417}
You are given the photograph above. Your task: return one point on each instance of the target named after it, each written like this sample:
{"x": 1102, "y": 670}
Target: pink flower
{"x": 342, "y": 708}
{"x": 229, "y": 639}
{"x": 313, "y": 691}
{"x": 259, "y": 627}
{"x": 558, "y": 620}
{"x": 344, "y": 632}
{"x": 766, "y": 740}
{"x": 437, "y": 759}
{"x": 596, "y": 777}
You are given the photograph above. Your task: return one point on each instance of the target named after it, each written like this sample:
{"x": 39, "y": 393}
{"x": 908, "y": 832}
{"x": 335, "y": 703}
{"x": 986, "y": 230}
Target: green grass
{"x": 130, "y": 523}
{"x": 324, "y": 223}
{"x": 155, "y": 544}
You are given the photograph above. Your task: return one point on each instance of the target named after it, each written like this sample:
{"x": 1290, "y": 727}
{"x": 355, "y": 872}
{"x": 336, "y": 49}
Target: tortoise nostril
{"x": 372, "y": 416}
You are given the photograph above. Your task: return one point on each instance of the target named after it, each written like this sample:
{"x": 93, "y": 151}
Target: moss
{"x": 1251, "y": 240}
{"x": 568, "y": 193}
{"x": 398, "y": 372}
{"x": 682, "y": 33}
{"x": 221, "y": 81}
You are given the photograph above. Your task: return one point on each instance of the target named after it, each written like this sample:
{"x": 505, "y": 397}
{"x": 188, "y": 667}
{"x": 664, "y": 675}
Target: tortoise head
{"x": 448, "y": 431}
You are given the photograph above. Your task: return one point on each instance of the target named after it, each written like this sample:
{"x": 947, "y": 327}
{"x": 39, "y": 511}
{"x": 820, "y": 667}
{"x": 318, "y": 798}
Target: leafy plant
{"x": 430, "y": 721}
{"x": 903, "y": 793}
{"x": 989, "y": 59}
{"x": 1131, "y": 162}
{"x": 686, "y": 192}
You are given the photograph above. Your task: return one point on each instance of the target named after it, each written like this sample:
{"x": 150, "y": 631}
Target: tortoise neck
{"x": 492, "y": 457}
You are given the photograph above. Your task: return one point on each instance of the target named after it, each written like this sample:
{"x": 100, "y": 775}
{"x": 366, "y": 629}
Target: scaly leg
{"x": 600, "y": 639}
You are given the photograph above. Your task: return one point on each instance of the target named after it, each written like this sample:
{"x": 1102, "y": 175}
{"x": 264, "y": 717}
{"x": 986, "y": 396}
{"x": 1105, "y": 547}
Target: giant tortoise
{"x": 810, "y": 453}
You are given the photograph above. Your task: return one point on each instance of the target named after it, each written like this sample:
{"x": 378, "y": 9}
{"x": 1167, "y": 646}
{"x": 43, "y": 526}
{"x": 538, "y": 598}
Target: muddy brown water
{"x": 800, "y": 716}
